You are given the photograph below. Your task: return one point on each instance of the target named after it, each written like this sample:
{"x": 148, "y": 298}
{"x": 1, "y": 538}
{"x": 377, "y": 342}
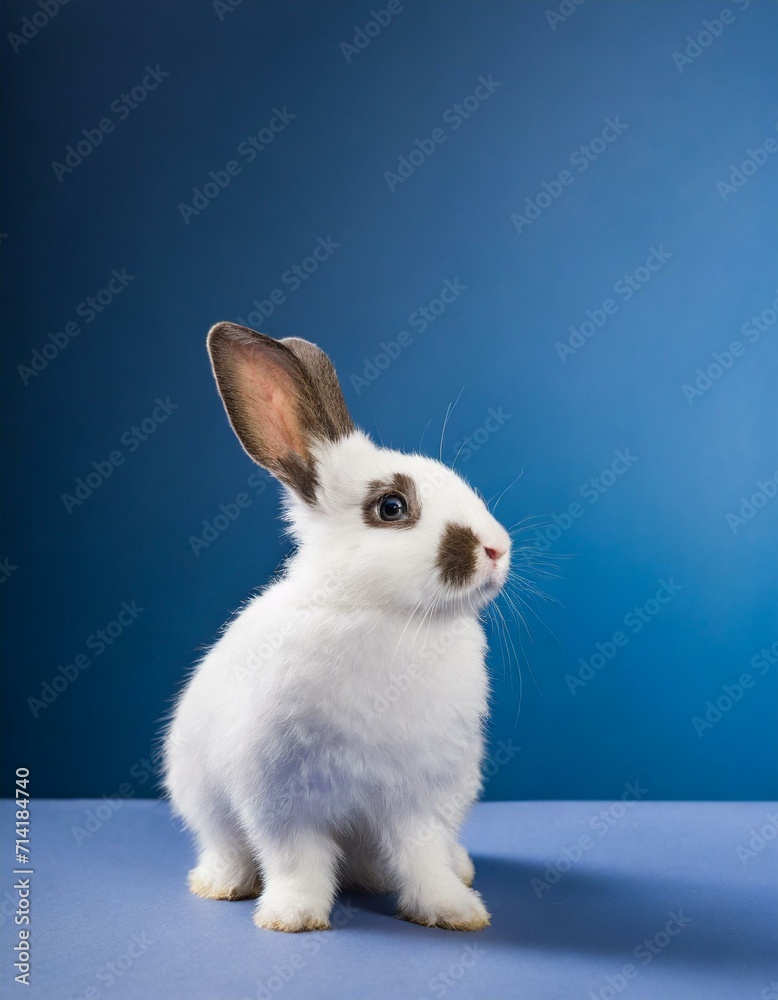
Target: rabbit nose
{"x": 494, "y": 554}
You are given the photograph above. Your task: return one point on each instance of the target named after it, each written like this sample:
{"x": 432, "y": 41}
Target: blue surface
{"x": 561, "y": 422}
{"x": 123, "y": 887}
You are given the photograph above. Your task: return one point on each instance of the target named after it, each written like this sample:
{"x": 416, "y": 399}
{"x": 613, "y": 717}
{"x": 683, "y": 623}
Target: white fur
{"x": 333, "y": 735}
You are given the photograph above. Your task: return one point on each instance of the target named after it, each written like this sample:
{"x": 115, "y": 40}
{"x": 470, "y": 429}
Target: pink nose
{"x": 494, "y": 554}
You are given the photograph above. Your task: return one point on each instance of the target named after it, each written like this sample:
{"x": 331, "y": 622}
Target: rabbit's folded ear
{"x": 281, "y": 397}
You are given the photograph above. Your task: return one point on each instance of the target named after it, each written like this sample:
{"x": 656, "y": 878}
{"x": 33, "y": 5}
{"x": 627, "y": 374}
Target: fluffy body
{"x": 333, "y": 736}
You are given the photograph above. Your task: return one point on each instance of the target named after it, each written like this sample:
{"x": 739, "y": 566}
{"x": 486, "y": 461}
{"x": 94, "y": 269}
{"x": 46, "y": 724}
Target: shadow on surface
{"x": 729, "y": 926}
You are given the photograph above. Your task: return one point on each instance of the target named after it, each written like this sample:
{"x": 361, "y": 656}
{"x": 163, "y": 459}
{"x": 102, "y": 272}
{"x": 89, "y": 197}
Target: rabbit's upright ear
{"x": 281, "y": 397}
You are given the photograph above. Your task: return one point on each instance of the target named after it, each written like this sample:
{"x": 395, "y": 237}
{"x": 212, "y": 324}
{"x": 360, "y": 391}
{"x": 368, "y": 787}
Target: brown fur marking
{"x": 457, "y": 554}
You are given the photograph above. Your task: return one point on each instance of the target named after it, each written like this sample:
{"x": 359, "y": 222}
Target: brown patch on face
{"x": 400, "y": 484}
{"x": 457, "y": 554}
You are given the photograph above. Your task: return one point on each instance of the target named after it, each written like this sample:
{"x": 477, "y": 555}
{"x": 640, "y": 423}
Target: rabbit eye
{"x": 393, "y": 508}
{"x": 391, "y": 502}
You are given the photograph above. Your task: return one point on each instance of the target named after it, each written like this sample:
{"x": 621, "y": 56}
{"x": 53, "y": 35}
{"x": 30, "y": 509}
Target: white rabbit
{"x": 333, "y": 735}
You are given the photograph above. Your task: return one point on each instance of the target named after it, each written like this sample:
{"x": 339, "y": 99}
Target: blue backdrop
{"x": 564, "y": 215}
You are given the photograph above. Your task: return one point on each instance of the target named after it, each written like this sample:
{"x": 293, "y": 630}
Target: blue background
{"x": 655, "y": 186}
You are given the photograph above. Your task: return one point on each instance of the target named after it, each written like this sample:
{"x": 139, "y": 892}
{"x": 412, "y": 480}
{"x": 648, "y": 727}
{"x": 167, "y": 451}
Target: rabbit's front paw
{"x": 460, "y": 912}
{"x": 276, "y": 913}
{"x": 210, "y": 884}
